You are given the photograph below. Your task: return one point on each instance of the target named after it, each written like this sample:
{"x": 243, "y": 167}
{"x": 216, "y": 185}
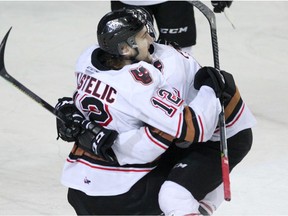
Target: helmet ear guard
{"x": 121, "y": 26}
{"x": 122, "y": 48}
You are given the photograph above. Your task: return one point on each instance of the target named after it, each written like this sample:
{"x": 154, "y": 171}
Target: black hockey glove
{"x": 219, "y": 6}
{"x": 221, "y": 82}
{"x": 68, "y": 131}
{"x": 98, "y": 140}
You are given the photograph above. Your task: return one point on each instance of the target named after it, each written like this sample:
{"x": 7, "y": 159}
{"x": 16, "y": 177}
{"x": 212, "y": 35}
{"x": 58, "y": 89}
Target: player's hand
{"x": 220, "y": 81}
{"x": 90, "y": 135}
{"x": 68, "y": 131}
{"x": 98, "y": 140}
{"x": 219, "y": 6}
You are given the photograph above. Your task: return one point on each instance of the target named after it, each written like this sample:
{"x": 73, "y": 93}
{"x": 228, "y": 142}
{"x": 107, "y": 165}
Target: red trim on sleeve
{"x": 235, "y": 119}
{"x": 154, "y": 140}
{"x": 118, "y": 169}
{"x": 201, "y": 135}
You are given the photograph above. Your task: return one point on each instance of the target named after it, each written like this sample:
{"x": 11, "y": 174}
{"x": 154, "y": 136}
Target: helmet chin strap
{"x": 133, "y": 58}
{"x": 131, "y": 42}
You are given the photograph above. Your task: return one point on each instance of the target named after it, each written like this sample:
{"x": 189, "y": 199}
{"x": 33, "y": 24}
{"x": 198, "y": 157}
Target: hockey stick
{"x": 210, "y": 16}
{"x": 17, "y": 84}
{"x": 3, "y": 72}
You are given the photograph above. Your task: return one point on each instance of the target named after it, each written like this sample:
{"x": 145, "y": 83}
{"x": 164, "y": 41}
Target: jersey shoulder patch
{"x": 141, "y": 74}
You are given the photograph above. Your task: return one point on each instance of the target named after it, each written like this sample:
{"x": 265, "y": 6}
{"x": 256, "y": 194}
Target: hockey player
{"x": 121, "y": 86}
{"x": 175, "y": 19}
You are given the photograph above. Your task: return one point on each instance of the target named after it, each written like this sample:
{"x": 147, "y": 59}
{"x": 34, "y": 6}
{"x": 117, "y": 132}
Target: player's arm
{"x": 197, "y": 124}
{"x": 140, "y": 146}
{"x": 193, "y": 122}
{"x": 201, "y": 116}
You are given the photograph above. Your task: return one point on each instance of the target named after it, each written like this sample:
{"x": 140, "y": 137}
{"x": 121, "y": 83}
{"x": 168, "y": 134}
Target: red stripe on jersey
{"x": 235, "y": 119}
{"x": 154, "y": 140}
{"x": 201, "y": 135}
{"x": 118, "y": 169}
{"x": 82, "y": 97}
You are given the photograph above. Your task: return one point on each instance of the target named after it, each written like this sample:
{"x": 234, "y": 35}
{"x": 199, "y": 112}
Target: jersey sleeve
{"x": 140, "y": 146}
{"x": 201, "y": 118}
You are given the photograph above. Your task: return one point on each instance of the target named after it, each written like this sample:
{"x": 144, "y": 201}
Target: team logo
{"x": 158, "y": 64}
{"x": 142, "y": 75}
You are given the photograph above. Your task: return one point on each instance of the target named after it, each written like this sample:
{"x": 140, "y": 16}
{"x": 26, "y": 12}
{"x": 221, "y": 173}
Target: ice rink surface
{"x": 46, "y": 39}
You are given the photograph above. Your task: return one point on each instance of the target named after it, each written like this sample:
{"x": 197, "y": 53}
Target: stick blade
{"x": 2, "y": 51}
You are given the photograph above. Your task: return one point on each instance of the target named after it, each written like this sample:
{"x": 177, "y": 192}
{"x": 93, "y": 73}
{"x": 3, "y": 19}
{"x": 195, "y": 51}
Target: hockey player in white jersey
{"x": 124, "y": 88}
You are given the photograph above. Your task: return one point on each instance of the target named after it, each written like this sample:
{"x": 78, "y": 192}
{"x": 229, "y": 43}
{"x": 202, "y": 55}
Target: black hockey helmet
{"x": 121, "y": 26}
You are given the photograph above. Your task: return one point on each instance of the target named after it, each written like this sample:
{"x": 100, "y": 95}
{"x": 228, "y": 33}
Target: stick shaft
{"x": 223, "y": 140}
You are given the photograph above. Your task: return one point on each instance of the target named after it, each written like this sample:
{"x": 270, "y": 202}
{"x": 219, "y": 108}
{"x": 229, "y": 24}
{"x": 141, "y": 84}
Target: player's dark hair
{"x": 111, "y": 61}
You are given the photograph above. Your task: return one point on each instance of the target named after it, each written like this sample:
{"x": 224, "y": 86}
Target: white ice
{"x": 41, "y": 52}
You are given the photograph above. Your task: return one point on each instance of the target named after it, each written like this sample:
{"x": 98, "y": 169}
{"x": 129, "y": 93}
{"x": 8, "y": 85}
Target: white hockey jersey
{"x": 142, "y": 3}
{"x": 131, "y": 100}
